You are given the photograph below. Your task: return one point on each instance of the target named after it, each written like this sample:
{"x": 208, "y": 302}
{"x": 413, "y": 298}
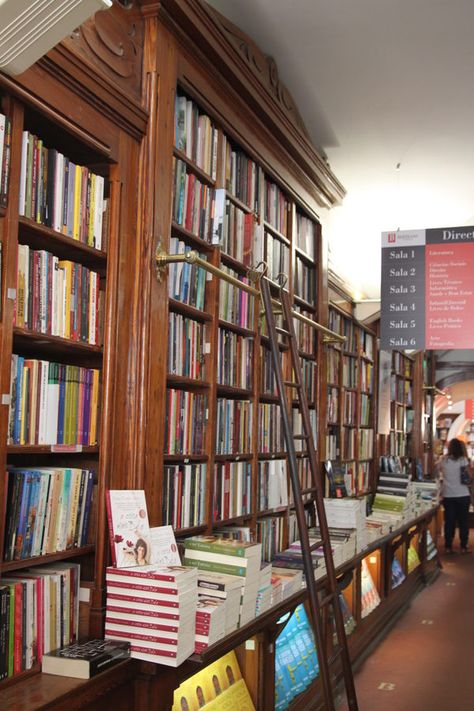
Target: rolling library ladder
{"x": 319, "y": 606}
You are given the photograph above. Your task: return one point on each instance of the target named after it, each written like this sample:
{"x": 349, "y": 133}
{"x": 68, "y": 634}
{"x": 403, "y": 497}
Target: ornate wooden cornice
{"x": 101, "y": 61}
{"x": 255, "y": 77}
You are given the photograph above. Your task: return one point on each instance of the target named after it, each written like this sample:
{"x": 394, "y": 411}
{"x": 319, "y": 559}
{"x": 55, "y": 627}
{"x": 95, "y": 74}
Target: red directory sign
{"x": 428, "y": 289}
{"x": 469, "y": 409}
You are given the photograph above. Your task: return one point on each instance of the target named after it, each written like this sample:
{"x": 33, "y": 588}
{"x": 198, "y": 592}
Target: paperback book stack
{"x": 222, "y": 587}
{"x": 292, "y": 558}
{"x": 343, "y": 542}
{"x": 264, "y": 595}
{"x": 153, "y": 608}
{"x": 210, "y": 622}
{"x": 427, "y": 495}
{"x": 348, "y": 513}
{"x": 291, "y": 580}
{"x": 230, "y": 557}
{"x": 395, "y": 491}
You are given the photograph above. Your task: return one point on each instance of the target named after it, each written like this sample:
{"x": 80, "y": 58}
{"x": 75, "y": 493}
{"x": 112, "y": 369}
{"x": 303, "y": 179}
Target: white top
{"x": 450, "y": 474}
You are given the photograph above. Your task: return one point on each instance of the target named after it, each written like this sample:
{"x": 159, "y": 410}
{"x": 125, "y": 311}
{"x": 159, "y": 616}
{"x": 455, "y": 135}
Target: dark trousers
{"x": 456, "y": 511}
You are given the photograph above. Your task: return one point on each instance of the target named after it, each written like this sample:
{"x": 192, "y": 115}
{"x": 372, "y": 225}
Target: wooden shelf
{"x": 41, "y": 237}
{"x": 8, "y": 566}
{"x": 26, "y": 340}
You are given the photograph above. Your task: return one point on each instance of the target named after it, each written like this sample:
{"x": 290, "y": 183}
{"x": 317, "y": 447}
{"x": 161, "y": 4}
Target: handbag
{"x": 465, "y": 475}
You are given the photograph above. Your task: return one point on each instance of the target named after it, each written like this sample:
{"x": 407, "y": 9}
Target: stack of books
{"x": 153, "y": 608}
{"x": 291, "y": 580}
{"x": 341, "y": 538}
{"x": 292, "y": 558}
{"x": 210, "y": 622}
{"x": 264, "y": 595}
{"x": 348, "y": 513}
{"x": 222, "y": 587}
{"x": 277, "y": 590}
{"x": 230, "y": 557}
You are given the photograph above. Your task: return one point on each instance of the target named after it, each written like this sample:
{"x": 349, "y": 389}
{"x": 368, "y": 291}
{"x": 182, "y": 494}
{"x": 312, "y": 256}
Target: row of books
{"x": 309, "y": 374}
{"x": 232, "y": 490}
{"x": 276, "y": 208}
{"x": 333, "y": 363}
{"x": 186, "y": 346}
{"x": 402, "y": 365}
{"x": 401, "y": 390}
{"x": 52, "y": 403}
{"x": 186, "y": 282}
{"x": 270, "y": 429}
{"x": 242, "y": 176}
{"x": 57, "y": 297}
{"x": 185, "y": 422}
{"x": 304, "y": 281}
{"x": 349, "y": 371}
{"x": 276, "y": 256}
{"x": 193, "y": 202}
{"x": 267, "y": 372}
{"x": 5, "y": 157}
{"x": 332, "y": 407}
{"x": 305, "y": 234}
{"x": 270, "y": 533}
{"x": 48, "y": 510}
{"x": 234, "y": 359}
{"x": 195, "y": 135}
{"x": 184, "y": 495}
{"x": 305, "y": 334}
{"x": 60, "y": 194}
{"x": 39, "y": 612}
{"x": 233, "y": 426}
{"x": 238, "y": 232}
{"x": 367, "y": 377}
{"x": 272, "y": 484}
{"x": 235, "y": 305}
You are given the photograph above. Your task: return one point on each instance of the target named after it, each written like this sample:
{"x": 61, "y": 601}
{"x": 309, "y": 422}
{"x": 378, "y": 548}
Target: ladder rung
{"x": 333, "y": 658}
{"x": 326, "y": 600}
{"x": 291, "y": 384}
{"x": 301, "y": 436}
{"x": 315, "y": 545}
{"x": 282, "y": 331}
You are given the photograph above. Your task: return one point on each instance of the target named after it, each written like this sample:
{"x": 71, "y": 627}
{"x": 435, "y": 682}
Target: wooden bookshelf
{"x": 351, "y": 396}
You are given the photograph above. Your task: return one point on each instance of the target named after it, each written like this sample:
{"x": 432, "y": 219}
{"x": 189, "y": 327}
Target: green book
{"x": 223, "y": 546}
{"x": 215, "y": 567}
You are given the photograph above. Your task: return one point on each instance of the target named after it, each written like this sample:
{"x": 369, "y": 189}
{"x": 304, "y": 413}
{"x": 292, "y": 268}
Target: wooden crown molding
{"x": 101, "y": 61}
{"x": 255, "y": 77}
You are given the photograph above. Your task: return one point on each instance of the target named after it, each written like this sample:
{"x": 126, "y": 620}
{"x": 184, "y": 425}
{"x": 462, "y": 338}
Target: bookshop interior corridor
{"x": 236, "y": 348}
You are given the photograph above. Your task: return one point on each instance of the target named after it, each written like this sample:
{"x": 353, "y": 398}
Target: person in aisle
{"x": 456, "y": 495}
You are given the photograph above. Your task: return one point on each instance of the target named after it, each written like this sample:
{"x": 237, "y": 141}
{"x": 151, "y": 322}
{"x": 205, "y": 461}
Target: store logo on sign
{"x": 392, "y": 237}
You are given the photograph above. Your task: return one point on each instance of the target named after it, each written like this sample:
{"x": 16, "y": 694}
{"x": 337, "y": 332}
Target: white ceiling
{"x": 379, "y": 83}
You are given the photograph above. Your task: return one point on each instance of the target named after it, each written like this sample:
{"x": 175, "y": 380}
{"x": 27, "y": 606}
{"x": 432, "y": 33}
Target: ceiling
{"x": 385, "y": 88}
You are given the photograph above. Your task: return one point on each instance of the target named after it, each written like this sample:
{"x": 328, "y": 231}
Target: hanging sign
{"x": 427, "y": 292}
{"x": 469, "y": 409}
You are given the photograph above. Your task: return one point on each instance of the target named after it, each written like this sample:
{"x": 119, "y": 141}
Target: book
{"x": 85, "y": 660}
{"x": 129, "y": 529}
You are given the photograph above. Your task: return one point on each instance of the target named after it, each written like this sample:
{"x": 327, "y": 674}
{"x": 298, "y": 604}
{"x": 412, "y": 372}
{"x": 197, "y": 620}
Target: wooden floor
{"x": 427, "y": 659}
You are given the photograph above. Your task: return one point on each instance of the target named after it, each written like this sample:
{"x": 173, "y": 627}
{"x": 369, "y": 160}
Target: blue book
{"x": 22, "y": 515}
{"x": 31, "y": 514}
{"x": 19, "y": 388}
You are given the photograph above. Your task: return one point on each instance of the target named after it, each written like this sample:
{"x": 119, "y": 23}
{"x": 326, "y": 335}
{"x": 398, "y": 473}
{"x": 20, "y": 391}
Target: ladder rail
{"x": 315, "y": 605}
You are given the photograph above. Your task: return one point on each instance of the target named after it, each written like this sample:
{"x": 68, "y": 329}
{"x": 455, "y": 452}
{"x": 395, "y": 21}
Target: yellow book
{"x": 235, "y": 697}
{"x": 67, "y": 267}
{"x": 77, "y": 202}
{"x": 25, "y": 379}
{"x": 93, "y": 434}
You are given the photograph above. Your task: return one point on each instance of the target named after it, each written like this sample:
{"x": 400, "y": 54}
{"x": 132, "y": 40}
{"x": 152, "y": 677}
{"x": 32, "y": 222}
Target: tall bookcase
{"x": 67, "y": 289}
{"x": 351, "y": 393}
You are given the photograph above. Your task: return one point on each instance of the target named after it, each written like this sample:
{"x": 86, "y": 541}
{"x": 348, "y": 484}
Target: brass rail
{"x": 435, "y": 389}
{"x": 192, "y": 257}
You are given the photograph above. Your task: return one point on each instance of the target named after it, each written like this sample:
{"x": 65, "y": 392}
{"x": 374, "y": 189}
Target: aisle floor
{"x": 427, "y": 660}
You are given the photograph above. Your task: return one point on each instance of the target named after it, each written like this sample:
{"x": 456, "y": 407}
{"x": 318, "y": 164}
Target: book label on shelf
{"x": 66, "y": 448}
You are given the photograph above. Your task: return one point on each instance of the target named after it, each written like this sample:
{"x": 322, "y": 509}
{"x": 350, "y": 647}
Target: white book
{"x": 54, "y": 295}
{"x": 52, "y": 406}
{"x": 99, "y": 211}
{"x": 129, "y": 529}
{"x": 23, "y": 170}
{"x": 43, "y": 402}
{"x": 57, "y": 221}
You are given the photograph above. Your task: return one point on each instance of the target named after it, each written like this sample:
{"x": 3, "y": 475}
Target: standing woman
{"x": 456, "y": 496}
